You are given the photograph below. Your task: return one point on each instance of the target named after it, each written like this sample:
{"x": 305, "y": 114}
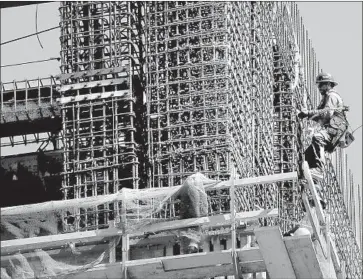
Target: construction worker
{"x": 330, "y": 114}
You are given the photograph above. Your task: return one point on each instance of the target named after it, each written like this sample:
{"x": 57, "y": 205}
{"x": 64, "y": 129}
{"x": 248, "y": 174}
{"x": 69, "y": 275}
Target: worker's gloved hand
{"x": 302, "y": 114}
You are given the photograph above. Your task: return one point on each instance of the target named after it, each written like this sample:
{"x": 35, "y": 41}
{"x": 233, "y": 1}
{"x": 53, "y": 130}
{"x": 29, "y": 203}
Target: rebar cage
{"x": 102, "y": 100}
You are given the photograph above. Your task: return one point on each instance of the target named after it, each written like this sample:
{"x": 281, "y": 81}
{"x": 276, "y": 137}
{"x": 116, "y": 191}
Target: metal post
{"x": 237, "y": 270}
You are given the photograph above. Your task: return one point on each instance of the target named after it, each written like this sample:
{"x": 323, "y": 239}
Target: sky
{"x": 335, "y": 29}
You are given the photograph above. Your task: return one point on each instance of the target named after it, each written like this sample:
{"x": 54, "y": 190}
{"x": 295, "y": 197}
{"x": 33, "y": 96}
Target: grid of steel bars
{"x": 186, "y": 68}
{"x": 101, "y": 87}
{"x": 209, "y": 78}
{"x": 307, "y": 94}
{"x": 29, "y": 102}
{"x": 285, "y": 123}
{"x": 254, "y": 103}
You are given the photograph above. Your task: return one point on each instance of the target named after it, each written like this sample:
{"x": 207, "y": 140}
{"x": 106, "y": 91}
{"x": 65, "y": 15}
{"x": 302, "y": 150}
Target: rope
{"x": 30, "y": 62}
{"x": 356, "y": 129}
{"x": 36, "y": 26}
{"x": 27, "y": 36}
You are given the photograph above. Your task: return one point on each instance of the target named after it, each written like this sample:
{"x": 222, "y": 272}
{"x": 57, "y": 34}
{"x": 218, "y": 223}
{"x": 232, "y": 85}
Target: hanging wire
{"x": 30, "y": 62}
{"x": 27, "y": 36}
{"x": 36, "y": 26}
{"x": 356, "y": 129}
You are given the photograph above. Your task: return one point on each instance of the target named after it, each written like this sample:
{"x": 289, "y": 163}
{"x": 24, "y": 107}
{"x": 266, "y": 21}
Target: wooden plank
{"x": 251, "y": 264}
{"x": 339, "y": 269}
{"x": 78, "y": 203}
{"x": 54, "y": 241}
{"x": 274, "y": 253}
{"x": 111, "y": 271}
{"x": 314, "y": 193}
{"x": 88, "y": 253}
{"x": 321, "y": 247}
{"x": 315, "y": 224}
{"x": 56, "y": 205}
{"x": 125, "y": 255}
{"x": 255, "y": 180}
{"x": 199, "y": 260}
{"x": 303, "y": 257}
{"x": 155, "y": 271}
{"x": 326, "y": 264}
{"x": 201, "y": 265}
{"x": 160, "y": 239}
{"x": 233, "y": 241}
{"x": 211, "y": 221}
{"x": 166, "y": 238}
{"x": 252, "y": 267}
{"x": 83, "y": 202}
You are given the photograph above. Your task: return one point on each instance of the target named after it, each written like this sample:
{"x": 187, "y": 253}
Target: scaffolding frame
{"x": 30, "y": 102}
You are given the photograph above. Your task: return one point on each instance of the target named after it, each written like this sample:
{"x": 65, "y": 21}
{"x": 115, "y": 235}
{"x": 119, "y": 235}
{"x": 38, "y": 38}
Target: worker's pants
{"x": 315, "y": 153}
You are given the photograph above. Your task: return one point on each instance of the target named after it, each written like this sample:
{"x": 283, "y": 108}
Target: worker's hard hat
{"x": 325, "y": 77}
{"x": 193, "y": 247}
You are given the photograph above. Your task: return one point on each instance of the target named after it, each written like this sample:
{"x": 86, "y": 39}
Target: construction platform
{"x": 29, "y": 107}
{"x": 233, "y": 245}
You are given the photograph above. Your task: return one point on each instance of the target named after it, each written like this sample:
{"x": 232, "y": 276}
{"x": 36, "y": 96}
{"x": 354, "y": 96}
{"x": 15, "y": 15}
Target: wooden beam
{"x": 315, "y": 224}
{"x": 152, "y": 240}
{"x": 54, "y": 241}
{"x": 55, "y": 205}
{"x": 274, "y": 253}
{"x": 321, "y": 244}
{"x": 84, "y": 202}
{"x": 235, "y": 260}
{"x": 88, "y": 251}
{"x": 77, "y": 203}
{"x": 254, "y": 180}
{"x": 314, "y": 193}
{"x": 211, "y": 221}
{"x": 168, "y": 238}
{"x": 339, "y": 269}
{"x": 200, "y": 265}
{"x": 199, "y": 260}
{"x": 303, "y": 257}
{"x": 125, "y": 255}
{"x": 251, "y": 262}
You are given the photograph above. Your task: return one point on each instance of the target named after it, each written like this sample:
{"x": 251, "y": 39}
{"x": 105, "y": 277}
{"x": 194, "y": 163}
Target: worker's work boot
{"x": 312, "y": 203}
{"x": 320, "y": 197}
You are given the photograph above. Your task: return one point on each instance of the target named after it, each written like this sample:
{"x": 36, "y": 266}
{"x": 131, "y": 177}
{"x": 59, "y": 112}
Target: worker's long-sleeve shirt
{"x": 330, "y": 100}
